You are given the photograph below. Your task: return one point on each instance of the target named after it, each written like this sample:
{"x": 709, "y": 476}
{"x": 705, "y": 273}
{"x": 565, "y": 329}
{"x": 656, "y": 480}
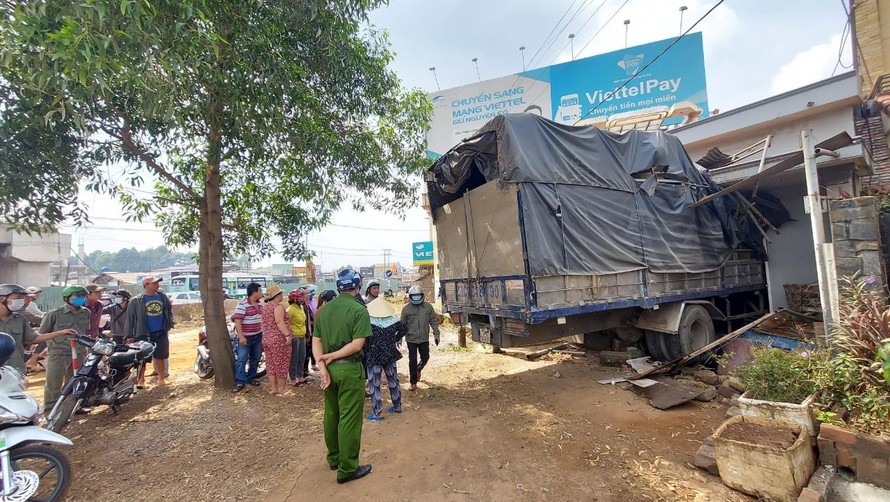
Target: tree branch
{"x": 135, "y": 149}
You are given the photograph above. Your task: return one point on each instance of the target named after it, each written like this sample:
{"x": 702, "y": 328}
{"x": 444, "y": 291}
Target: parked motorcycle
{"x": 30, "y": 469}
{"x": 204, "y": 363}
{"x": 108, "y": 376}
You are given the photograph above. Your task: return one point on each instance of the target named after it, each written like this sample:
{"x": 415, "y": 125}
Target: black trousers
{"x": 413, "y": 367}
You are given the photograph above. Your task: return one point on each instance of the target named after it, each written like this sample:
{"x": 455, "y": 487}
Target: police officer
{"x": 340, "y": 332}
{"x": 70, "y": 316}
{"x": 13, "y": 323}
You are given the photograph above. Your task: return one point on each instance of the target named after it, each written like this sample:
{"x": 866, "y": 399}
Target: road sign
{"x": 388, "y": 274}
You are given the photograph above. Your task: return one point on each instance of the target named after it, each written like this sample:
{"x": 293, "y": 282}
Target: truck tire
{"x": 696, "y": 331}
{"x": 655, "y": 345}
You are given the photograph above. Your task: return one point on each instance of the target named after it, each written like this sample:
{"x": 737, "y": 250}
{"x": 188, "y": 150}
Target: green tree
{"x": 253, "y": 119}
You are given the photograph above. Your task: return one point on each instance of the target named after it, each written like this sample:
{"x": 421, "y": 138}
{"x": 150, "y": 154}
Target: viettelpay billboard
{"x": 423, "y": 253}
{"x": 670, "y": 91}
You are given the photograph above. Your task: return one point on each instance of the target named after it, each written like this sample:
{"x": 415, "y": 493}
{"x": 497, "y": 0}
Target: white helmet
{"x": 372, "y": 283}
{"x": 415, "y": 294}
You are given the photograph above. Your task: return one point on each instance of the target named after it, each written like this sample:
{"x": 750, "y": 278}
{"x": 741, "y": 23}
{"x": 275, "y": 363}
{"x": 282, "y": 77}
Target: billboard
{"x": 423, "y": 253}
{"x": 671, "y": 91}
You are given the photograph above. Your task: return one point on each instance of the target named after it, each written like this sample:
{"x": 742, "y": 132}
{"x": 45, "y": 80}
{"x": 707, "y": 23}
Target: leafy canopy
{"x": 292, "y": 101}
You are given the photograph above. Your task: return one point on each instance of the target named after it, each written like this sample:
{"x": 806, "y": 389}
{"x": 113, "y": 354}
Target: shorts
{"x": 162, "y": 344}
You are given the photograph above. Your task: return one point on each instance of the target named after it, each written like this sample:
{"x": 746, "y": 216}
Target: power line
{"x": 641, "y": 70}
{"x": 380, "y": 229}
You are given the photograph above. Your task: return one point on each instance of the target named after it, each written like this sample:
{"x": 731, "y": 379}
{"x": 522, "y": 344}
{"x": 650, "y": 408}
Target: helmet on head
{"x": 328, "y": 295}
{"x": 7, "y": 347}
{"x": 293, "y": 295}
{"x": 348, "y": 279}
{"x": 415, "y": 294}
{"x": 72, "y": 290}
{"x": 123, "y": 293}
{"x": 12, "y": 289}
{"x": 372, "y": 283}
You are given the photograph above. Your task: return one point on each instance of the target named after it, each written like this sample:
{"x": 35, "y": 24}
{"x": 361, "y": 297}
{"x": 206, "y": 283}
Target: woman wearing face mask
{"x": 117, "y": 311}
{"x": 12, "y": 303}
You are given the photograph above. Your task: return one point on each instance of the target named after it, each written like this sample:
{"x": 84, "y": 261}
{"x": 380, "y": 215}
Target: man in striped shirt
{"x": 248, "y": 324}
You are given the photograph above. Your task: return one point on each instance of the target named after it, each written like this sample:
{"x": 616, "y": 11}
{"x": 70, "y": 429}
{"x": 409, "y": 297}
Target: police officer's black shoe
{"x": 362, "y": 471}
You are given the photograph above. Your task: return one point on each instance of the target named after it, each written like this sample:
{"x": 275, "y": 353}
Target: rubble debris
{"x": 706, "y": 458}
{"x": 615, "y": 358}
{"x": 707, "y": 376}
{"x": 707, "y": 396}
{"x": 668, "y": 393}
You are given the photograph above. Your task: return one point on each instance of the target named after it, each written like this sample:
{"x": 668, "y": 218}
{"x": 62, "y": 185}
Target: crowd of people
{"x": 46, "y": 336}
{"x": 350, "y": 338}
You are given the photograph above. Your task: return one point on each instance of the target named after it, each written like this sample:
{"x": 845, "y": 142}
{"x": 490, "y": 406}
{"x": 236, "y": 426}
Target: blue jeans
{"x": 247, "y": 358}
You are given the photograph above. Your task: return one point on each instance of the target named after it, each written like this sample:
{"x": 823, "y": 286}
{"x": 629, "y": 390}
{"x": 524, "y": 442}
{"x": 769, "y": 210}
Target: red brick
{"x": 873, "y": 470}
{"x": 872, "y": 446}
{"x": 837, "y": 434}
{"x": 809, "y": 495}
{"x": 827, "y": 453}
{"x": 845, "y": 456}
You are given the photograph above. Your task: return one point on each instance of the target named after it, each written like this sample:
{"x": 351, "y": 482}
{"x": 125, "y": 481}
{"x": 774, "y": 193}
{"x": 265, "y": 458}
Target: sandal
{"x": 393, "y": 409}
{"x": 374, "y": 418}
{"x": 286, "y": 394}
{"x": 238, "y": 388}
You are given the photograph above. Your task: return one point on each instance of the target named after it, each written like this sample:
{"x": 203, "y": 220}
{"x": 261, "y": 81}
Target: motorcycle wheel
{"x": 261, "y": 366}
{"x": 203, "y": 368}
{"x": 51, "y": 466}
{"x": 66, "y": 411}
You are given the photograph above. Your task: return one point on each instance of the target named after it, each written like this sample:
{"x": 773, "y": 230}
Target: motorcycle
{"x": 30, "y": 469}
{"x": 108, "y": 376}
{"x": 204, "y": 363}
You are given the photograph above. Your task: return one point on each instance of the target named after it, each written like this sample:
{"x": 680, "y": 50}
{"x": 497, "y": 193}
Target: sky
{"x": 753, "y": 49}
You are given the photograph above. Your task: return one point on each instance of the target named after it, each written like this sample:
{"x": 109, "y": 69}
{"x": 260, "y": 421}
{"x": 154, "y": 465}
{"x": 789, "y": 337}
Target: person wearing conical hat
{"x": 382, "y": 353}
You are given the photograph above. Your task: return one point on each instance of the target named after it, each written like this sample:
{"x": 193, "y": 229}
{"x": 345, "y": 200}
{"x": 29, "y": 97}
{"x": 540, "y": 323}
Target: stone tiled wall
{"x": 856, "y": 233}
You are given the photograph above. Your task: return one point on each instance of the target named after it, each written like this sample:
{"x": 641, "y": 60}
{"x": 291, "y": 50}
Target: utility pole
{"x": 824, "y": 252}
{"x": 572, "y": 44}
{"x": 83, "y": 264}
{"x": 476, "y": 63}
{"x": 522, "y": 51}
{"x": 626, "y": 28}
{"x": 433, "y": 69}
{"x": 683, "y": 9}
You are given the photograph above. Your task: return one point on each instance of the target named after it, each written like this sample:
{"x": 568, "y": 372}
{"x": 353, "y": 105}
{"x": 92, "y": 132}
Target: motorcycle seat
{"x": 139, "y": 351}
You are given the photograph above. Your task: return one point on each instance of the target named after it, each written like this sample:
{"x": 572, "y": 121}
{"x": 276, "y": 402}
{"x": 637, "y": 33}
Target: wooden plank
{"x": 692, "y": 355}
{"x": 833, "y": 143}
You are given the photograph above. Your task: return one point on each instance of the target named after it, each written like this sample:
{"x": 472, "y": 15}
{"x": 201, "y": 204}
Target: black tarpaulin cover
{"x": 588, "y": 203}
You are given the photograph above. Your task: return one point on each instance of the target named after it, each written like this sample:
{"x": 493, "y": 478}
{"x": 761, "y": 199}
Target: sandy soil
{"x": 481, "y": 427}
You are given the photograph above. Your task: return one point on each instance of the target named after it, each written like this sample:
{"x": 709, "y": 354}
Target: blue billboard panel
{"x": 664, "y": 92}
{"x": 423, "y": 253}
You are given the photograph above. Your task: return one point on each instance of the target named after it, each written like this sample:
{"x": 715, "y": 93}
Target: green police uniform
{"x": 58, "y": 354}
{"x": 341, "y": 321}
{"x": 17, "y": 326}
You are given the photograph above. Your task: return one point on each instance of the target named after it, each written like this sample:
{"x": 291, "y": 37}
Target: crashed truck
{"x": 549, "y": 231}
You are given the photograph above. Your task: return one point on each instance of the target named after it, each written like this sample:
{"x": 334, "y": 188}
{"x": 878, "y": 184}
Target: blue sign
{"x": 670, "y": 91}
{"x": 388, "y": 274}
{"x": 423, "y": 253}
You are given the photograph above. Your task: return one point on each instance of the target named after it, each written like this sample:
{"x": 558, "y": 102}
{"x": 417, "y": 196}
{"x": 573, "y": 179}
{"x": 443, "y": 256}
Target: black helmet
{"x": 11, "y": 289}
{"x": 123, "y": 293}
{"x": 7, "y": 347}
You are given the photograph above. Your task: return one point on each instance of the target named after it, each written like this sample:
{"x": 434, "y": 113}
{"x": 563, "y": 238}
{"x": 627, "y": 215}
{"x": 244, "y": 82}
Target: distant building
{"x": 26, "y": 259}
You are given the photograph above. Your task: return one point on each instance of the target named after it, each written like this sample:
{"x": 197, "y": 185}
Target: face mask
{"x": 118, "y": 301}
{"x": 78, "y": 301}
{"x": 15, "y": 305}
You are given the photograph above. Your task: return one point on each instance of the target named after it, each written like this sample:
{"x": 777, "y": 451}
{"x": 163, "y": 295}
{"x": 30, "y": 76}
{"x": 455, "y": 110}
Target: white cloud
{"x": 811, "y": 65}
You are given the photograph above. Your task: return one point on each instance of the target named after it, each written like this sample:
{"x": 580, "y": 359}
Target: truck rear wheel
{"x": 696, "y": 331}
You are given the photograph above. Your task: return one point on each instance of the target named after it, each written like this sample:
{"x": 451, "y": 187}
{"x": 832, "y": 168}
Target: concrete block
{"x": 726, "y": 391}
{"x": 872, "y": 446}
{"x": 844, "y": 455}
{"x": 864, "y": 230}
{"x": 838, "y": 434}
{"x": 706, "y": 458}
{"x": 851, "y": 213}
{"x": 809, "y": 495}
{"x": 847, "y": 267}
{"x": 845, "y": 248}
{"x": 827, "y": 453}
{"x": 873, "y": 470}
{"x": 736, "y": 384}
{"x": 839, "y": 230}
{"x": 707, "y": 376}
{"x": 864, "y": 245}
{"x": 872, "y": 262}
{"x": 707, "y": 396}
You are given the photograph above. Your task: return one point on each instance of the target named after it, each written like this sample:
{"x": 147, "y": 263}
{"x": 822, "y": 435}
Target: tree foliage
{"x": 252, "y": 119}
{"x": 132, "y": 260}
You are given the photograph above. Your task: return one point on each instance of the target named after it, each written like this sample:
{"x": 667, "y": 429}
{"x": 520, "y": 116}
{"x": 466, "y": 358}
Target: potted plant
{"x": 780, "y": 386}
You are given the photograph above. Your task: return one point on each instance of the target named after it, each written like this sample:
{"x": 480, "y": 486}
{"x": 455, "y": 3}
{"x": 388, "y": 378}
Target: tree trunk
{"x": 210, "y": 253}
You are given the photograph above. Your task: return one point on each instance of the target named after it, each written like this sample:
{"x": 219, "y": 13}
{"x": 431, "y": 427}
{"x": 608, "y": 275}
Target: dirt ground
{"x": 481, "y": 427}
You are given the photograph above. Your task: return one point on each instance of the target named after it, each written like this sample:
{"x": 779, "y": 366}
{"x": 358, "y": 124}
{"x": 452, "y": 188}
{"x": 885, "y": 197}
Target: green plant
{"x": 778, "y": 375}
{"x": 854, "y": 382}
